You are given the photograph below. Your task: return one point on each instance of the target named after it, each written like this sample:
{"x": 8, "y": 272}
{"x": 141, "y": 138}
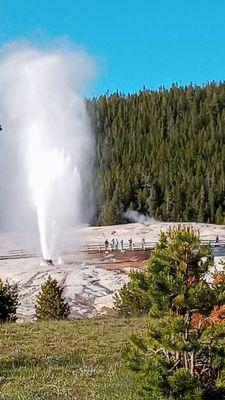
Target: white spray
{"x": 46, "y": 147}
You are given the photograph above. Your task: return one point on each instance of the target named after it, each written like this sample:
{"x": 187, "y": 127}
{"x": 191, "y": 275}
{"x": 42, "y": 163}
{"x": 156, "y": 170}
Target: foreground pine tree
{"x": 133, "y": 299}
{"x": 50, "y": 302}
{"x": 184, "y": 354}
{"x": 8, "y": 302}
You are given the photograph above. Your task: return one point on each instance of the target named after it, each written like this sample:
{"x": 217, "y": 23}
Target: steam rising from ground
{"x": 135, "y": 216}
{"x": 46, "y": 148}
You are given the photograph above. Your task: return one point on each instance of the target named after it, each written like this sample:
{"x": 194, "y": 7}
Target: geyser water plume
{"x": 46, "y": 148}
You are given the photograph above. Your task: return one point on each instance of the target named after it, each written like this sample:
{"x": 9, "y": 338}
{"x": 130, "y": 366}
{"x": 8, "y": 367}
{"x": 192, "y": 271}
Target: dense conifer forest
{"x": 161, "y": 153}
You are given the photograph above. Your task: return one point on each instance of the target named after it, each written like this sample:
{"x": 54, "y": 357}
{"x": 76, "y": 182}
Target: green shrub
{"x": 50, "y": 302}
{"x": 132, "y": 298}
{"x": 8, "y": 302}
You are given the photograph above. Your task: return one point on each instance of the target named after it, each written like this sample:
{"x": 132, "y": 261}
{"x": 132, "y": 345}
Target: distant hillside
{"x": 161, "y": 153}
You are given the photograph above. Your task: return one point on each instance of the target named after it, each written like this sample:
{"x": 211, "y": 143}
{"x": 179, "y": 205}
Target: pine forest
{"x": 161, "y": 153}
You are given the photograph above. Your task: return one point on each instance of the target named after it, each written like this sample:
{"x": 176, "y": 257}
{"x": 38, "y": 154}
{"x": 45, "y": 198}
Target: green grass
{"x": 77, "y": 360}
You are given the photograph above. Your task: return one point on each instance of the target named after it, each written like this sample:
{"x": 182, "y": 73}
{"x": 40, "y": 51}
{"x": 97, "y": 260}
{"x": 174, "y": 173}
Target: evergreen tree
{"x": 50, "y": 302}
{"x": 219, "y": 215}
{"x": 183, "y": 356}
{"x": 8, "y": 302}
{"x": 133, "y": 298}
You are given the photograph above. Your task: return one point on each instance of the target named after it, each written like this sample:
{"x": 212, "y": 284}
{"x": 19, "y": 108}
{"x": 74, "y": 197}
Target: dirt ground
{"x": 122, "y": 261}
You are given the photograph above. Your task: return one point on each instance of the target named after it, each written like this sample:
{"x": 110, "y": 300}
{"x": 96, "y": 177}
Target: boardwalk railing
{"x": 213, "y": 243}
{"x": 96, "y": 247}
{"x": 100, "y": 248}
{"x": 134, "y": 246}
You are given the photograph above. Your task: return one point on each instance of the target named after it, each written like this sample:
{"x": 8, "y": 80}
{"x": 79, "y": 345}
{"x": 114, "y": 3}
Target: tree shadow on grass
{"x": 25, "y": 361}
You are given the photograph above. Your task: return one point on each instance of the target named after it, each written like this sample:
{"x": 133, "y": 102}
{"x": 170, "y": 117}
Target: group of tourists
{"x": 116, "y": 244}
{"x": 120, "y": 244}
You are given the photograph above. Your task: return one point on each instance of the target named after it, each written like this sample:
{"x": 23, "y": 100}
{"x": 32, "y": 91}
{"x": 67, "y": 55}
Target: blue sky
{"x": 135, "y": 43}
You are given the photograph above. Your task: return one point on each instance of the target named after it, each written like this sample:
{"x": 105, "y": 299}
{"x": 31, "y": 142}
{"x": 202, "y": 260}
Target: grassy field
{"x": 67, "y": 360}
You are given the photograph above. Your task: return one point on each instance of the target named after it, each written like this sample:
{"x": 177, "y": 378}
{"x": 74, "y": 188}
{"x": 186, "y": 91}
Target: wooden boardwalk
{"x": 99, "y": 248}
{"x": 138, "y": 246}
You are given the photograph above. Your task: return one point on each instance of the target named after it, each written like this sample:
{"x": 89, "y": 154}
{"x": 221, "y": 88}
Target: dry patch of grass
{"x": 67, "y": 360}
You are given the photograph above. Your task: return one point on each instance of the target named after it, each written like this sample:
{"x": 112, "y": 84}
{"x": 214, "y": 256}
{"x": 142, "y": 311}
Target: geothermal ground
{"x": 90, "y": 279}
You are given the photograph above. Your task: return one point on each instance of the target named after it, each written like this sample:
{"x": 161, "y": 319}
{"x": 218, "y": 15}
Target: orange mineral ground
{"x": 122, "y": 261}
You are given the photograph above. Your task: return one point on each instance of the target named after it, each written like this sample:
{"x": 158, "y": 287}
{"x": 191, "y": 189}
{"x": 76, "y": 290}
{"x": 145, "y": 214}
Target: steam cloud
{"x": 135, "y": 216}
{"x": 46, "y": 147}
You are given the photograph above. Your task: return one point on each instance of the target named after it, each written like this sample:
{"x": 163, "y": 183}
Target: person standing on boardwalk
{"x": 121, "y": 244}
{"x": 130, "y": 244}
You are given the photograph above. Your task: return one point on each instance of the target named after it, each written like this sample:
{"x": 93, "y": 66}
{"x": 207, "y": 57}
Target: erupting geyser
{"x": 46, "y": 150}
